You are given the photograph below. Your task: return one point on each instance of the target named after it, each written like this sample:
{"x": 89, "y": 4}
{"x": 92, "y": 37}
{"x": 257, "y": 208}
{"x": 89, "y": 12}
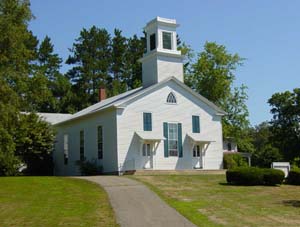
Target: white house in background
{"x": 163, "y": 125}
{"x": 230, "y": 146}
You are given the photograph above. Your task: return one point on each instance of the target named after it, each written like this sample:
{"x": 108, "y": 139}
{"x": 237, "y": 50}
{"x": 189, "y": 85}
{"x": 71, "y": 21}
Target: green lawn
{"x": 206, "y": 200}
{"x": 53, "y": 201}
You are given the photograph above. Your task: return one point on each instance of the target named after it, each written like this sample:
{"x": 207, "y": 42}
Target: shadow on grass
{"x": 229, "y": 184}
{"x": 225, "y": 183}
{"x": 247, "y": 185}
{"x": 293, "y": 203}
{"x": 233, "y": 185}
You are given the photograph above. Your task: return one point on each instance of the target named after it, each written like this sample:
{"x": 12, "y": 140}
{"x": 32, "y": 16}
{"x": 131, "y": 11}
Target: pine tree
{"x": 119, "y": 75}
{"x": 135, "y": 49}
{"x": 101, "y": 61}
{"x": 91, "y": 57}
{"x": 49, "y": 63}
{"x": 50, "y": 90}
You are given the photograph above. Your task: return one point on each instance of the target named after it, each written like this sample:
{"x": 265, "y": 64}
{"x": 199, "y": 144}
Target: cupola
{"x": 162, "y": 59}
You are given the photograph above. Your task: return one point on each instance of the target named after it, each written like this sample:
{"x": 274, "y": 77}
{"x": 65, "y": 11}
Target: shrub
{"x": 34, "y": 140}
{"x": 89, "y": 167}
{"x": 254, "y": 176}
{"x": 294, "y": 177}
{"x": 273, "y": 176}
{"x": 233, "y": 160}
{"x": 245, "y": 176}
{"x": 9, "y": 164}
{"x": 296, "y": 163}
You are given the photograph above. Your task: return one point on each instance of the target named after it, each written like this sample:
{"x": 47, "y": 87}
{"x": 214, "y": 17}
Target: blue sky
{"x": 266, "y": 33}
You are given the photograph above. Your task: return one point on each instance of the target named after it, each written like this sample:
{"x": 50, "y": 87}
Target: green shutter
{"x": 193, "y": 123}
{"x": 150, "y": 121}
{"x": 166, "y": 141}
{"x": 180, "y": 140}
{"x": 196, "y": 124}
{"x": 147, "y": 121}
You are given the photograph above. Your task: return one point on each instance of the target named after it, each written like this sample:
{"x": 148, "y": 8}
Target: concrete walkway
{"x": 137, "y": 206}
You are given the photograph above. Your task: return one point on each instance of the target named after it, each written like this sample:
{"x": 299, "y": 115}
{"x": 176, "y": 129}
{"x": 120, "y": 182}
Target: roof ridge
{"x": 123, "y": 98}
{"x": 106, "y": 101}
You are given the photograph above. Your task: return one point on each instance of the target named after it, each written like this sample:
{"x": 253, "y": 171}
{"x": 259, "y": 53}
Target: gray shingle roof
{"x": 121, "y": 99}
{"x": 54, "y": 118}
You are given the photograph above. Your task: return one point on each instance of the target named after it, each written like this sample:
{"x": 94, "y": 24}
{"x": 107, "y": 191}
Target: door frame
{"x": 148, "y": 156}
{"x": 198, "y": 157}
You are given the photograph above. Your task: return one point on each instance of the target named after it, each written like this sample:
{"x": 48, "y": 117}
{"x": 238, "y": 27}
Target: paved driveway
{"x": 137, "y": 206}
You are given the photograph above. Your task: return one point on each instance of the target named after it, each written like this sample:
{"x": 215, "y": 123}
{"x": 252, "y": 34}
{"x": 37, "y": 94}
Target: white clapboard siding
{"x": 89, "y": 124}
{"x": 130, "y": 120}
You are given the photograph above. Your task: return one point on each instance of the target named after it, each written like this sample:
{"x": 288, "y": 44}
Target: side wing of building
{"x": 92, "y": 137}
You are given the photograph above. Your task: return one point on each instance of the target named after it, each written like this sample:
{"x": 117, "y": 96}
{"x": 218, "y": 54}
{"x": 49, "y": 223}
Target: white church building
{"x": 163, "y": 125}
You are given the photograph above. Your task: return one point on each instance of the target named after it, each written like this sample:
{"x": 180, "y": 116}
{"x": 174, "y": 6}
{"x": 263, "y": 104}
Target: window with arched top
{"x": 171, "y": 98}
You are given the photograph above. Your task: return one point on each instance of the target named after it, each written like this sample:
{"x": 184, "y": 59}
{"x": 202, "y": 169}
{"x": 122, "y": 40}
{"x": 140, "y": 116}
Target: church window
{"x": 152, "y": 42}
{"x": 66, "y": 149}
{"x": 81, "y": 145}
{"x": 171, "y": 98}
{"x": 167, "y": 40}
{"x": 100, "y": 142}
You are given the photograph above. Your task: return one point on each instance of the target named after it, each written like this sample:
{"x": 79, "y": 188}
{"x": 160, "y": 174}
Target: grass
{"x": 53, "y": 201}
{"x": 207, "y": 200}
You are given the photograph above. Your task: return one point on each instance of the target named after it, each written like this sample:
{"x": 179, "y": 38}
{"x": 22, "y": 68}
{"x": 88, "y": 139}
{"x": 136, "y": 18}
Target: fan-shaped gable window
{"x": 171, "y": 98}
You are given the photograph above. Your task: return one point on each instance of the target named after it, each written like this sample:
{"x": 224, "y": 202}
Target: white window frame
{"x": 82, "y": 130}
{"x": 197, "y": 153}
{"x": 177, "y": 150}
{"x": 146, "y": 150}
{"x": 162, "y": 40}
{"x": 100, "y": 141}
{"x": 66, "y": 148}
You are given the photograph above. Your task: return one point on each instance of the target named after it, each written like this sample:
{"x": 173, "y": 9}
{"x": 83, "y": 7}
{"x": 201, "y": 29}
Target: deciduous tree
{"x": 9, "y": 115}
{"x": 285, "y": 125}
{"x": 264, "y": 152}
{"x": 19, "y": 80}
{"x": 17, "y": 46}
{"x": 213, "y": 75}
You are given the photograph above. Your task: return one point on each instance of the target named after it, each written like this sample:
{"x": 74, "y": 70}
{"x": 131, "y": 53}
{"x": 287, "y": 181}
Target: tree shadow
{"x": 229, "y": 184}
{"x": 224, "y": 183}
{"x": 293, "y": 203}
{"x": 246, "y": 185}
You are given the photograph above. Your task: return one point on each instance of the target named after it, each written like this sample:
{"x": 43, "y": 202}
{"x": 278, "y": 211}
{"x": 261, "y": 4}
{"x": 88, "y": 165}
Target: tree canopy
{"x": 285, "y": 125}
{"x": 212, "y": 75}
{"x": 18, "y": 81}
{"x": 31, "y": 80}
{"x": 102, "y": 60}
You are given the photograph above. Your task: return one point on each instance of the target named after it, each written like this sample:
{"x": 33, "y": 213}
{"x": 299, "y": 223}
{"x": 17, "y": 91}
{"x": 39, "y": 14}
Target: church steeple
{"x": 162, "y": 59}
